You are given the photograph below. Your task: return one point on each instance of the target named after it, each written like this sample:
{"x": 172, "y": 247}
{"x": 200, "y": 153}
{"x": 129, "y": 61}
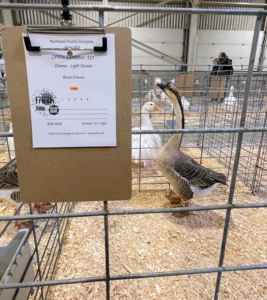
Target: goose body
{"x": 11, "y": 145}
{"x": 150, "y": 97}
{"x": 149, "y": 143}
{"x": 188, "y": 178}
{"x": 185, "y": 103}
{"x": 158, "y": 93}
{"x": 9, "y": 184}
{"x": 230, "y": 102}
{"x": 165, "y": 100}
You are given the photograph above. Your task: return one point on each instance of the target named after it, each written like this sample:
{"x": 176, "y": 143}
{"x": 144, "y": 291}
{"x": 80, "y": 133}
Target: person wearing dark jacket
{"x": 222, "y": 67}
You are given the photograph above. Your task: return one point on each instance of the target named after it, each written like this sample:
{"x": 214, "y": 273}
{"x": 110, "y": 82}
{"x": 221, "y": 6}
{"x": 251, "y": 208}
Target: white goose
{"x": 150, "y": 96}
{"x": 185, "y": 103}
{"x": 230, "y": 102}
{"x": 158, "y": 93}
{"x": 165, "y": 100}
{"x": 150, "y": 143}
{"x": 11, "y": 145}
{"x": 188, "y": 178}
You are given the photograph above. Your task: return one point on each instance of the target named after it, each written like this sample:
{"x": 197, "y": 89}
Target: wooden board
{"x": 217, "y": 87}
{"x": 185, "y": 84}
{"x": 70, "y": 174}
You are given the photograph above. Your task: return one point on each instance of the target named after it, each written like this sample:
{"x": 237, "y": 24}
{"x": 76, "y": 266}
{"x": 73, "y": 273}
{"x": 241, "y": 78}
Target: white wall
{"x": 236, "y": 44}
{"x": 169, "y": 41}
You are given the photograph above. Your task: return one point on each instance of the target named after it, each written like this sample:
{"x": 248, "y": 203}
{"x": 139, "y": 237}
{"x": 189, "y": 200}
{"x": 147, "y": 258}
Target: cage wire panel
{"x": 242, "y": 155}
{"x": 45, "y": 240}
{"x": 201, "y": 112}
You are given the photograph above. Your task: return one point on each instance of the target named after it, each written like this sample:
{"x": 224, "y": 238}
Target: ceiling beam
{"x": 135, "y": 14}
{"x": 155, "y": 52}
{"x": 234, "y": 4}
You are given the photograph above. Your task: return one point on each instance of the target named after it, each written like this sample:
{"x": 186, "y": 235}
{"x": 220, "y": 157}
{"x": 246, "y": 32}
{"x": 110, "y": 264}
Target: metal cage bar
{"x": 238, "y": 149}
{"x": 109, "y": 8}
{"x": 241, "y": 131}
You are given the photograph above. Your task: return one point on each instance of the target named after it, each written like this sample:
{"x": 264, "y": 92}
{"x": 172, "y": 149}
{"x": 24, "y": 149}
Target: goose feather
{"x": 9, "y": 184}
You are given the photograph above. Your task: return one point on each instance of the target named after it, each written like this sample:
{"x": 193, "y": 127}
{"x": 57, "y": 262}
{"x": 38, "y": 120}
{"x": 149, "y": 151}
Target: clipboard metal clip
{"x": 66, "y": 17}
{"x": 30, "y": 48}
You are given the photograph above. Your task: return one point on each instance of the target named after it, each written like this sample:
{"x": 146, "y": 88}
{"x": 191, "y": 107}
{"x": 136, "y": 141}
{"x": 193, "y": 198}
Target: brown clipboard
{"x": 69, "y": 174}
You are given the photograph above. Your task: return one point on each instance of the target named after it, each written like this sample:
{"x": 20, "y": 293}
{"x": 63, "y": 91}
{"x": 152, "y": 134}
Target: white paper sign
{"x": 72, "y": 99}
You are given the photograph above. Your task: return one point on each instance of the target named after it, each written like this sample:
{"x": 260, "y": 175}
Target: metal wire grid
{"x": 259, "y": 178}
{"x": 46, "y": 240}
{"x": 223, "y": 146}
{"x": 209, "y": 115}
{"x": 6, "y": 154}
{"x": 45, "y": 282}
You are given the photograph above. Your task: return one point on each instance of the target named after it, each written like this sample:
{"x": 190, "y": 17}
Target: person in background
{"x": 223, "y": 66}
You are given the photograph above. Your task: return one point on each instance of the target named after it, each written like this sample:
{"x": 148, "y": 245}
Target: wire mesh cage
{"x": 135, "y": 249}
{"x": 203, "y": 111}
{"x": 216, "y": 150}
{"x": 45, "y": 240}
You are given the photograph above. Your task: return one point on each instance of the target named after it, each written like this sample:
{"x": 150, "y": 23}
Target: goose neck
{"x": 176, "y": 139}
{"x": 145, "y": 120}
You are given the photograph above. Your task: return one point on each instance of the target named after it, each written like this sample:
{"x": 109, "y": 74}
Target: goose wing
{"x": 195, "y": 174}
{"x": 9, "y": 176}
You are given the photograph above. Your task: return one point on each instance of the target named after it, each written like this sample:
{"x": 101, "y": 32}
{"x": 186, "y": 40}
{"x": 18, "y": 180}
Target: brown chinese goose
{"x": 188, "y": 178}
{"x": 9, "y": 188}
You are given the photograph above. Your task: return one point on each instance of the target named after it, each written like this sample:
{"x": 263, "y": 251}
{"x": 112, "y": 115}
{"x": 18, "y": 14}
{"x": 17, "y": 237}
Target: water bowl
{"x": 194, "y": 108}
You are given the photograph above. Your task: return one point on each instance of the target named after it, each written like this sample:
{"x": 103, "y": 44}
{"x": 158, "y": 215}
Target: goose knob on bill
{"x": 188, "y": 178}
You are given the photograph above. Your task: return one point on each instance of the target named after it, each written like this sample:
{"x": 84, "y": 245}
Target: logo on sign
{"x": 40, "y": 108}
{"x": 53, "y": 110}
{"x": 45, "y": 99}
{"x": 45, "y": 102}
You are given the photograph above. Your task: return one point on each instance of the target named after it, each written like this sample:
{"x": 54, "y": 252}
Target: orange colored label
{"x": 74, "y": 88}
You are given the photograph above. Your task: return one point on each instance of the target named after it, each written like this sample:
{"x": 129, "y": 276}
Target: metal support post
{"x": 238, "y": 148}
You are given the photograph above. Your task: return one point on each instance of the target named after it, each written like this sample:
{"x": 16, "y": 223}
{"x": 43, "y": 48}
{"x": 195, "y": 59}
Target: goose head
{"x": 172, "y": 92}
{"x": 149, "y": 107}
{"x": 231, "y": 92}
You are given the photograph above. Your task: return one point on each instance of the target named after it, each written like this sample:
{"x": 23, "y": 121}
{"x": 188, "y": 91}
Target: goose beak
{"x": 162, "y": 86}
{"x": 156, "y": 107}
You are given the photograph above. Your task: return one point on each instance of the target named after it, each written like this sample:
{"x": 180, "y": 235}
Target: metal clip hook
{"x": 66, "y": 17}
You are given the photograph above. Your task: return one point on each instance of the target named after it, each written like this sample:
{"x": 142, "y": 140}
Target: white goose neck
{"x": 145, "y": 119}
